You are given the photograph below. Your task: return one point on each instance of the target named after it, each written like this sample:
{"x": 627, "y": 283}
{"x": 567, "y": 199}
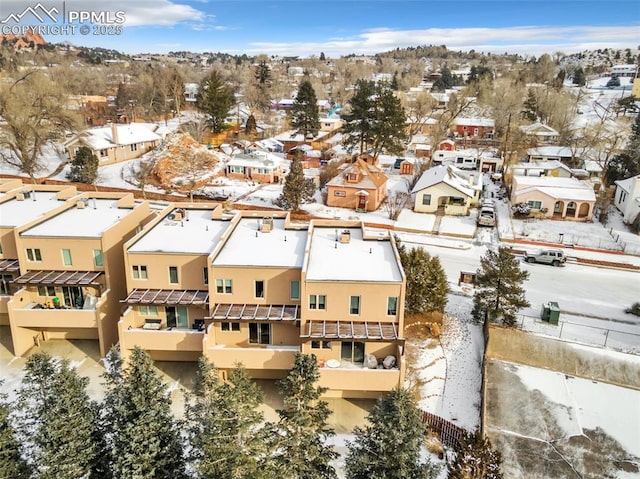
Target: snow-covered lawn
{"x": 458, "y": 226}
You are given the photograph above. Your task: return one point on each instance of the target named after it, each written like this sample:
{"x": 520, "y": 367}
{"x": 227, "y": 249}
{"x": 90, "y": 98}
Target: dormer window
{"x": 352, "y": 177}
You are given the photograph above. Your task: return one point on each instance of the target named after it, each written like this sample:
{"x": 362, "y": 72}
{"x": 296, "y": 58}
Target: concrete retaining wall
{"x": 603, "y": 365}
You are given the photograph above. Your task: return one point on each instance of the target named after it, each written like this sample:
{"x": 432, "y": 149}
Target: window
{"x": 426, "y": 200}
{"x": 534, "y": 204}
{"x": 139, "y": 272}
{"x": 259, "y": 289}
{"x": 339, "y": 193}
{"x": 623, "y": 196}
{"x": 475, "y": 132}
{"x": 173, "y": 274}
{"x": 352, "y": 351}
{"x": 66, "y": 257}
{"x": 205, "y": 275}
{"x": 134, "y": 147}
{"x": 5, "y": 280}
{"x": 33, "y": 254}
{"x": 97, "y": 257}
{"x": 354, "y": 306}
{"x": 46, "y": 291}
{"x": 103, "y": 152}
{"x": 224, "y": 286}
{"x": 148, "y": 310}
{"x": 294, "y": 290}
{"x": 320, "y": 344}
{"x": 259, "y": 333}
{"x": 392, "y": 305}
{"x": 228, "y": 326}
{"x": 236, "y": 169}
{"x": 317, "y": 301}
{"x": 0, "y": 248}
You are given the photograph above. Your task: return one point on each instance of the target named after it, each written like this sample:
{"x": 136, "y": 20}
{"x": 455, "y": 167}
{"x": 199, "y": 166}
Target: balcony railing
{"x": 268, "y": 357}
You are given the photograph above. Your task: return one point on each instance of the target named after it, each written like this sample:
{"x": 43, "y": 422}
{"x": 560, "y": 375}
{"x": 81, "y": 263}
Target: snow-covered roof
{"x": 542, "y": 166}
{"x": 256, "y": 159}
{"x": 291, "y": 135}
{"x": 358, "y": 260}
{"x": 451, "y": 176}
{"x": 90, "y": 222}
{"x": 559, "y": 151}
{"x": 555, "y": 187}
{"x": 539, "y": 129}
{"x": 370, "y": 176}
{"x": 15, "y": 212}
{"x": 195, "y": 233}
{"x": 475, "y": 121}
{"x": 625, "y": 184}
{"x": 248, "y": 246}
{"x": 102, "y": 138}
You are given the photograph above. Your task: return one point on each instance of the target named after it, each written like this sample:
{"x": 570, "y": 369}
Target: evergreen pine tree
{"x": 299, "y": 449}
{"x": 376, "y": 120}
{"x": 215, "y": 98}
{"x": 84, "y": 167}
{"x": 579, "y": 77}
{"x": 12, "y": 465}
{"x": 263, "y": 80}
{"x": 225, "y": 425}
{"x": 358, "y": 120}
{"x": 144, "y": 436}
{"x": 297, "y": 189}
{"x": 499, "y": 292}
{"x": 390, "y": 445}
{"x": 427, "y": 286}
{"x": 530, "y": 111}
{"x": 60, "y": 426}
{"x": 304, "y": 113}
{"x": 475, "y": 459}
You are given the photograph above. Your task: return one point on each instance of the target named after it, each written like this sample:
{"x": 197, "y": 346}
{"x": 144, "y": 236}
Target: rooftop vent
{"x": 345, "y": 236}
{"x": 267, "y": 224}
{"x": 81, "y": 204}
{"x": 20, "y": 196}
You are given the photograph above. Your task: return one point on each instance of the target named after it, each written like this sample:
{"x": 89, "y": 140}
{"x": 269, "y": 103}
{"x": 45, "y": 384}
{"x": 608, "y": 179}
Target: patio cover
{"x": 256, "y": 312}
{"x": 57, "y": 278}
{"x": 167, "y": 296}
{"x": 350, "y": 330}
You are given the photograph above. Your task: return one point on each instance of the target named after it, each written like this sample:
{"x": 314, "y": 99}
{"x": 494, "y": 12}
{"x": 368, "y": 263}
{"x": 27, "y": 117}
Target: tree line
{"x": 54, "y": 430}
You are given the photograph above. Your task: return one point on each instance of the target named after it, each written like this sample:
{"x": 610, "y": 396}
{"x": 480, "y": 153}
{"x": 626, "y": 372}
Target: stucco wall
{"x": 576, "y": 360}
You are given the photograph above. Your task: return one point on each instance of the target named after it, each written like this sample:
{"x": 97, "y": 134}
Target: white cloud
{"x": 156, "y": 12}
{"x": 525, "y": 40}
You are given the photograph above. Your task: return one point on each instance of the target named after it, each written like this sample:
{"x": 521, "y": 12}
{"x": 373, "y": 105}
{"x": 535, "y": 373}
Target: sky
{"x": 333, "y": 27}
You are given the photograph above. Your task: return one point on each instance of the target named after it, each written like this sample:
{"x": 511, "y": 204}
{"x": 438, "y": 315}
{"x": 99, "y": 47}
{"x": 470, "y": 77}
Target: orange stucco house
{"x": 361, "y": 186}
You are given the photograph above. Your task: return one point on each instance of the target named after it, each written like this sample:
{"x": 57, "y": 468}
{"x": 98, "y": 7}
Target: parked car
{"x": 397, "y": 163}
{"x": 486, "y": 216}
{"x": 554, "y": 257}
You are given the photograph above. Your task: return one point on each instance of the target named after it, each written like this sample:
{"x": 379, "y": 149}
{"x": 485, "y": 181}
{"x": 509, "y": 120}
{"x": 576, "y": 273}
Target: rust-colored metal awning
{"x": 256, "y": 312}
{"x": 167, "y": 296}
{"x": 350, "y": 330}
{"x": 59, "y": 278}
{"x": 9, "y": 265}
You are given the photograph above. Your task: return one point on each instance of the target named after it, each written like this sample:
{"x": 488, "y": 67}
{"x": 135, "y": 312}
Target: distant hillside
{"x": 30, "y": 40}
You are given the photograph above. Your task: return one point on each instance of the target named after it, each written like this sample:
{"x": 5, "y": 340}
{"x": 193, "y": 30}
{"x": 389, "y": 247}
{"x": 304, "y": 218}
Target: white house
{"x": 448, "y": 188}
{"x": 541, "y": 132}
{"x": 627, "y": 198}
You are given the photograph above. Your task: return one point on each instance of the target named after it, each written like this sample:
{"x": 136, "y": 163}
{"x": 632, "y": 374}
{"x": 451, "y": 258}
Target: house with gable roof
{"x": 554, "y": 196}
{"x": 540, "y": 132}
{"x": 116, "y": 143}
{"x": 361, "y": 185}
{"x": 448, "y": 189}
{"x": 627, "y": 199}
{"x": 260, "y": 166}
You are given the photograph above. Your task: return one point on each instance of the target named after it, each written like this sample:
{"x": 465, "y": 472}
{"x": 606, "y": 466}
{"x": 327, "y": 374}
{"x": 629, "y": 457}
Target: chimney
{"x": 345, "y": 236}
{"x": 267, "y": 224}
{"x": 114, "y": 133}
{"x": 81, "y": 204}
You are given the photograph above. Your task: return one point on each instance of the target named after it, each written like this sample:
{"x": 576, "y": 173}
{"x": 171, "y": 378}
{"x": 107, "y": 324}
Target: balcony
{"x": 349, "y": 380}
{"x": 268, "y": 358}
{"x": 135, "y": 331}
{"x": 28, "y": 313}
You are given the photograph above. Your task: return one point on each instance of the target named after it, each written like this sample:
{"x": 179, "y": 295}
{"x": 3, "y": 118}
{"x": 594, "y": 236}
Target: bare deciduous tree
{"x": 395, "y": 203}
{"x": 35, "y": 112}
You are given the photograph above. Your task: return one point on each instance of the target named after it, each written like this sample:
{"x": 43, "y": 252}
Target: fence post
{"x": 561, "y": 326}
{"x": 606, "y": 337}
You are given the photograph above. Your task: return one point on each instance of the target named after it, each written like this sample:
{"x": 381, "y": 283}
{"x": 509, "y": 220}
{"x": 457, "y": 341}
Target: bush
{"x": 634, "y": 309}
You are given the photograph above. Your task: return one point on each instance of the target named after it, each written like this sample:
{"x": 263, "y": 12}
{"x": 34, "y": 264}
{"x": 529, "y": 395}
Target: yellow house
{"x": 71, "y": 270}
{"x": 352, "y": 313}
{"x": 167, "y": 276}
{"x": 18, "y": 206}
{"x": 115, "y": 143}
{"x": 448, "y": 189}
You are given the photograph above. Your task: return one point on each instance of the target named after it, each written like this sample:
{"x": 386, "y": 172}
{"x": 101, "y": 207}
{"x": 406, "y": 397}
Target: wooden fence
{"x": 449, "y": 433}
